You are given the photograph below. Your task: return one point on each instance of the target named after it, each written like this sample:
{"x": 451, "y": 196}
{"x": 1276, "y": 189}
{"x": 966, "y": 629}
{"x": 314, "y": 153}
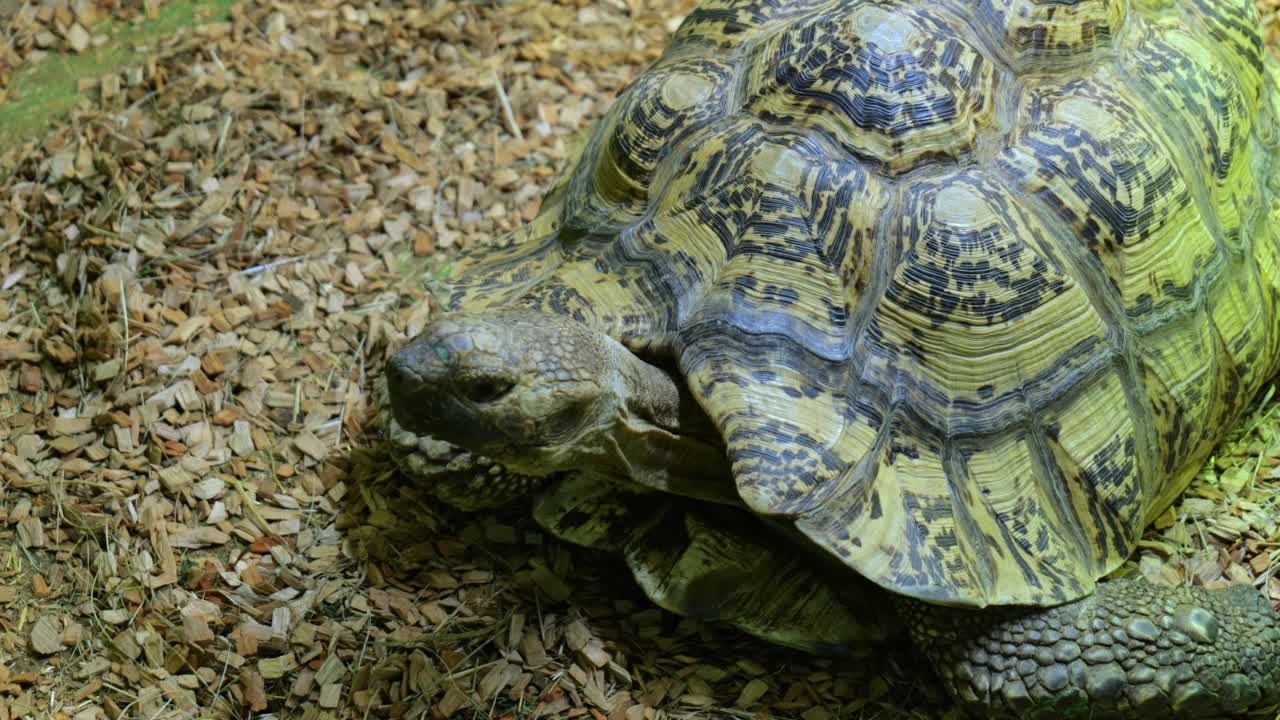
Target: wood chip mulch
{"x": 201, "y": 273}
{"x": 30, "y": 31}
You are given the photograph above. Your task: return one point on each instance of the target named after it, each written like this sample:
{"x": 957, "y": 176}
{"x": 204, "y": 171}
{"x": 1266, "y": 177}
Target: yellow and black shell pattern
{"x": 971, "y": 288}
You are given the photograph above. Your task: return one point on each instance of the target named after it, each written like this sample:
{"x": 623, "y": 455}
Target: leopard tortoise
{"x": 862, "y": 317}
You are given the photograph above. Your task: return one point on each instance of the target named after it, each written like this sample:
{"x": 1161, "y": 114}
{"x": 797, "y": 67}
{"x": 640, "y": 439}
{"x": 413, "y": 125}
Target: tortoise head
{"x": 517, "y": 386}
{"x": 541, "y": 394}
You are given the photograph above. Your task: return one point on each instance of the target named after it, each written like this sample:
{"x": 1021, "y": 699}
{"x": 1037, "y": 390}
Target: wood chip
{"x": 69, "y": 425}
{"x": 78, "y": 38}
{"x": 254, "y": 688}
{"x": 531, "y": 649}
{"x": 751, "y": 693}
{"x": 209, "y": 488}
{"x": 311, "y": 445}
{"x": 198, "y": 537}
{"x": 46, "y": 635}
{"x": 330, "y": 696}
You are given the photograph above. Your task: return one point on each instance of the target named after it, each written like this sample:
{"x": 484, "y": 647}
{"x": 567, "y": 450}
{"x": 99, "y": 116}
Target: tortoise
{"x": 855, "y": 318}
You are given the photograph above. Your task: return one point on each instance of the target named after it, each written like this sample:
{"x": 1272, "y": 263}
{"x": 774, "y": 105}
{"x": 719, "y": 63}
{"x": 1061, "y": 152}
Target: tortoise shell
{"x": 969, "y": 287}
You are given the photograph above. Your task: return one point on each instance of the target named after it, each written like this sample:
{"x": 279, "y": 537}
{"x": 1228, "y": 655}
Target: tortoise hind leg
{"x": 1133, "y": 650}
{"x": 718, "y": 564}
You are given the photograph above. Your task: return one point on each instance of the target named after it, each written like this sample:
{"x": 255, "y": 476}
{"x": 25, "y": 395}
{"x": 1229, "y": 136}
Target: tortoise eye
{"x": 486, "y": 390}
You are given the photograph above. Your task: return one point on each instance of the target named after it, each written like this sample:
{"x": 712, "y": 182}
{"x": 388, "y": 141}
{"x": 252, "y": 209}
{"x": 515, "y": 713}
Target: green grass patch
{"x": 45, "y": 91}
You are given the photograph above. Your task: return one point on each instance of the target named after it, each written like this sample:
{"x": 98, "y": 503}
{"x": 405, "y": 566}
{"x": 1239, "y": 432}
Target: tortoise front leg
{"x": 719, "y": 564}
{"x": 1132, "y": 650}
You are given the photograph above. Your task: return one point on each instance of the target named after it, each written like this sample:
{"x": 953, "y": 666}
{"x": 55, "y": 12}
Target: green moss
{"x": 43, "y": 92}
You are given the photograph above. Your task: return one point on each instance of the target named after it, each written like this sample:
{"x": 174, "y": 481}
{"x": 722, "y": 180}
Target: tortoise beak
{"x": 443, "y": 382}
{"x": 410, "y": 385}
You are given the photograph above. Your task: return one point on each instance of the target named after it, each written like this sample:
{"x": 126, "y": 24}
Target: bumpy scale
{"x": 1129, "y": 650}
{"x": 968, "y": 290}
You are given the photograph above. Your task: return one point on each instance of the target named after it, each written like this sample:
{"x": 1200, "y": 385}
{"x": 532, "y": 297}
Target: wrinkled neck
{"x": 661, "y": 438}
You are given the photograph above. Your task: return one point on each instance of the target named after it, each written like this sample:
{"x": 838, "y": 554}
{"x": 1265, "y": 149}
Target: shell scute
{"x": 613, "y": 183}
{"x": 1101, "y": 468}
{"x": 1096, "y": 158}
{"x": 727, "y": 24}
{"x": 1234, "y": 31}
{"x": 1178, "y": 366}
{"x": 1217, "y": 104}
{"x": 1210, "y": 110}
{"x": 1242, "y": 310}
{"x": 893, "y": 85}
{"x": 1045, "y": 30}
{"x": 971, "y": 508}
{"x": 794, "y": 258}
{"x": 980, "y": 320}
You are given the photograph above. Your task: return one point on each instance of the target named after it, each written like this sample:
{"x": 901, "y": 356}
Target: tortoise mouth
{"x": 467, "y": 413}
{"x": 407, "y": 389}
{"x": 456, "y": 476}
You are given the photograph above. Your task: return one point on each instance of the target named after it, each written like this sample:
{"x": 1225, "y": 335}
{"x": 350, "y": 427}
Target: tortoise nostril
{"x": 400, "y": 372}
{"x": 486, "y": 390}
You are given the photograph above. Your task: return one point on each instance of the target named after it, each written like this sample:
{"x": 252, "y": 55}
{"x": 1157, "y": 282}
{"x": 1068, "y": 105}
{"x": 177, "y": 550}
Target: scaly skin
{"x": 1131, "y": 650}
{"x": 456, "y": 476}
